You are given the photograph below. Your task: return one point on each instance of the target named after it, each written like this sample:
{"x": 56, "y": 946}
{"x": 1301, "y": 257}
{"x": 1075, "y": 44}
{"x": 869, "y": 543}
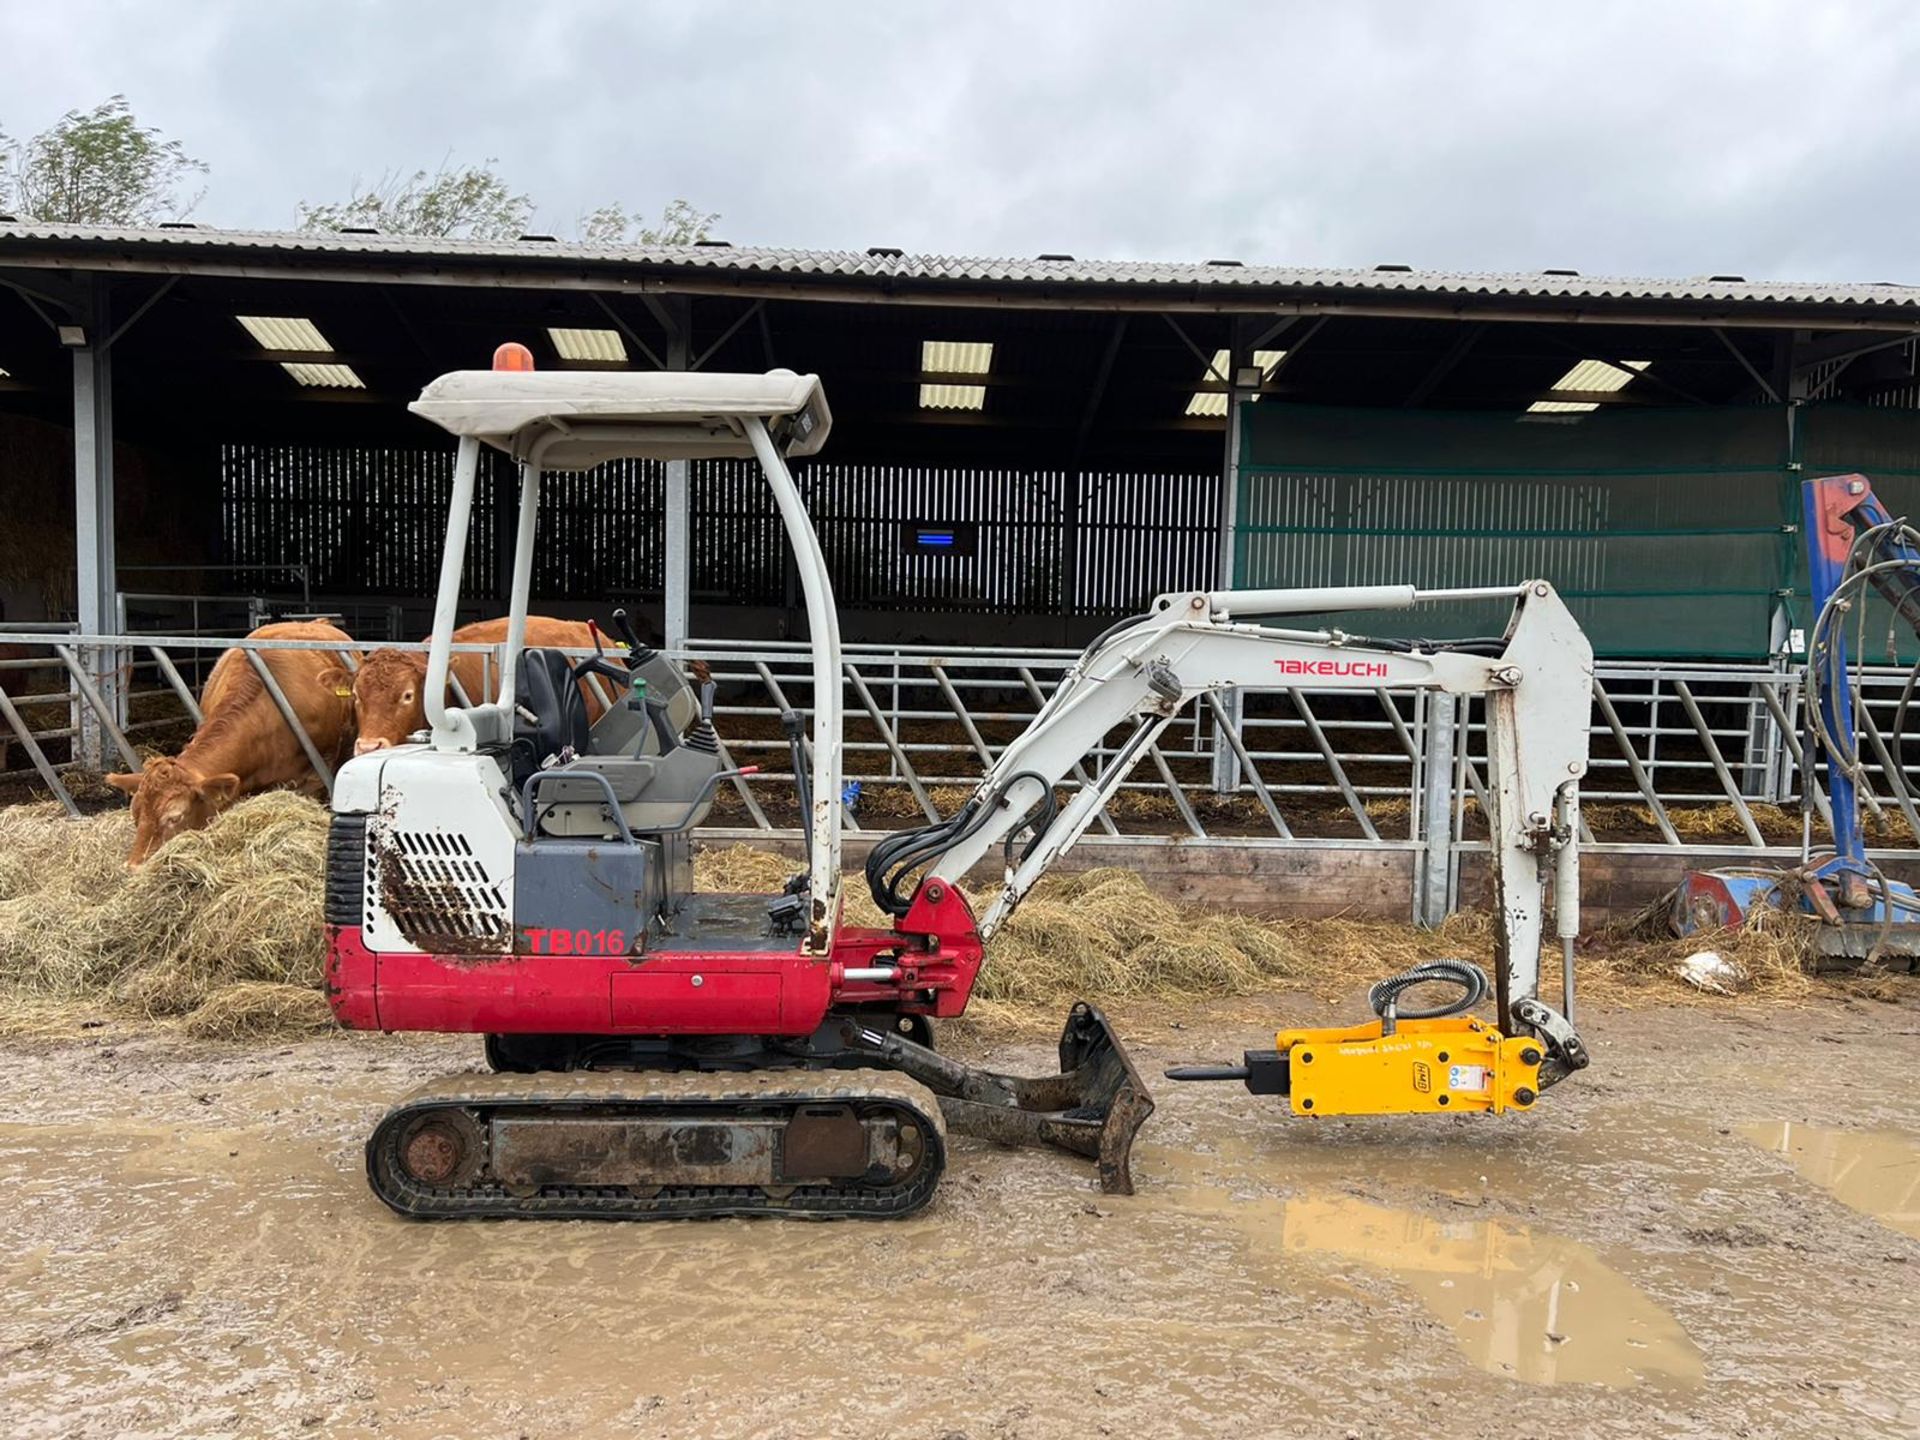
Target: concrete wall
{"x": 1331, "y": 878}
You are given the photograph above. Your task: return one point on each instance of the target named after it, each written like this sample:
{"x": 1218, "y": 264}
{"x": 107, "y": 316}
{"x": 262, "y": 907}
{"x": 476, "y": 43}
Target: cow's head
{"x": 170, "y": 798}
{"x": 387, "y": 699}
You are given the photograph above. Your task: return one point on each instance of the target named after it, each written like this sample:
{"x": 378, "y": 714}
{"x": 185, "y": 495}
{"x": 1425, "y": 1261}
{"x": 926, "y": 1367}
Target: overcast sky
{"x": 1765, "y": 139}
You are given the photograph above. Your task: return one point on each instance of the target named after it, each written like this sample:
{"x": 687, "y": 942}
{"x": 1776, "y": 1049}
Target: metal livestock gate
{"x": 1394, "y": 771}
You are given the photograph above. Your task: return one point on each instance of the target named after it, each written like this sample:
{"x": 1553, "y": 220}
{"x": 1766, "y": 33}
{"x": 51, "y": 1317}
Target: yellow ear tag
{"x": 344, "y": 694}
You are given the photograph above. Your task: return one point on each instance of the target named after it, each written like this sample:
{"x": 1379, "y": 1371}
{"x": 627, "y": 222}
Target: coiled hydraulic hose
{"x": 1385, "y": 995}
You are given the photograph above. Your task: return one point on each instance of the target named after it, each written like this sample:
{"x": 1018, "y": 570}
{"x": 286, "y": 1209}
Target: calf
{"x": 389, "y": 691}
{"x": 243, "y": 745}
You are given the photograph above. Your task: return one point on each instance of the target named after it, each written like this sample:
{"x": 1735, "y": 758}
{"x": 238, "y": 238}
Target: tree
{"x": 473, "y": 202}
{"x": 98, "y": 167}
{"x": 680, "y": 224}
{"x": 470, "y": 202}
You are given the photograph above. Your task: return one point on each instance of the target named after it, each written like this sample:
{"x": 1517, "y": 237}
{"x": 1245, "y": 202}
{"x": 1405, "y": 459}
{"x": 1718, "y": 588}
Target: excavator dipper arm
{"x": 1141, "y": 674}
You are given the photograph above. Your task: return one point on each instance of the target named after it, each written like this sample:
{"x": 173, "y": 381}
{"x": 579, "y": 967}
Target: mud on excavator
{"x": 518, "y": 873}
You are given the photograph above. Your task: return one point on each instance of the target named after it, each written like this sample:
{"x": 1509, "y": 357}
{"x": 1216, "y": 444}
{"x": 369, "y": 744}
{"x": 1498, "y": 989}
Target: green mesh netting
{"x": 1883, "y": 445}
{"x": 1666, "y": 530}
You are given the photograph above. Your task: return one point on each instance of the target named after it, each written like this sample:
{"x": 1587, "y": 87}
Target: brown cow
{"x": 243, "y": 745}
{"x": 389, "y": 689}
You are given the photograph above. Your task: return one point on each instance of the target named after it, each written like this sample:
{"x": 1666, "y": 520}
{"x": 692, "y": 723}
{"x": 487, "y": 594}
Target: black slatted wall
{"x": 1039, "y": 542}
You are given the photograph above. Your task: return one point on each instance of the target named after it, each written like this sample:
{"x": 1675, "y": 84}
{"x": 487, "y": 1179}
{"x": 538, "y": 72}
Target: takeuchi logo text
{"x": 1367, "y": 669}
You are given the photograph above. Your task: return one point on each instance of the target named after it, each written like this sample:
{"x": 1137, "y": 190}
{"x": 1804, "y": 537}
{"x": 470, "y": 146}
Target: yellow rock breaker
{"x": 1438, "y": 1058}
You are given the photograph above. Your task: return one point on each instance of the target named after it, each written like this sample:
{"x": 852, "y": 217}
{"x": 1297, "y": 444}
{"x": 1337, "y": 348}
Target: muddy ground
{"x": 1712, "y": 1232}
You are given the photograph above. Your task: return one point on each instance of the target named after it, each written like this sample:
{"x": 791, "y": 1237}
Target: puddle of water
{"x": 1537, "y": 1307}
{"x": 1521, "y": 1304}
{"x": 284, "y": 1222}
{"x": 1876, "y": 1172}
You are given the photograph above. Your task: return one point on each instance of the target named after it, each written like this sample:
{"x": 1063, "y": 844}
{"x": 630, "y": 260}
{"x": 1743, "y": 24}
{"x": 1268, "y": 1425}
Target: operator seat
{"x": 550, "y": 713}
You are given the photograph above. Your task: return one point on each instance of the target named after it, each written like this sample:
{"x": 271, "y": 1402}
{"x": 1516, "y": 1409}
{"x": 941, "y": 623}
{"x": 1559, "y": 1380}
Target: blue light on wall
{"x": 918, "y": 537}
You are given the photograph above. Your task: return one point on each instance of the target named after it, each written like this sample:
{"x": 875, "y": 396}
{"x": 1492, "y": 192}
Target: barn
{"x": 199, "y": 428}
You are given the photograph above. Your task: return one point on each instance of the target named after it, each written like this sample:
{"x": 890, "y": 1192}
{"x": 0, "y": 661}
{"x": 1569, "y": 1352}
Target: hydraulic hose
{"x": 893, "y": 860}
{"x": 1385, "y": 995}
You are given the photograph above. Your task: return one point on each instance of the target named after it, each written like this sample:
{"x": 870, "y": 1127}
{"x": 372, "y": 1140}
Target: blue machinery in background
{"x": 1852, "y": 543}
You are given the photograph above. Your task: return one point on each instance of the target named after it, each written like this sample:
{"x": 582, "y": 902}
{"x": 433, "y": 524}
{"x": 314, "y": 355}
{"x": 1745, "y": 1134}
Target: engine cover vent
{"x": 438, "y": 893}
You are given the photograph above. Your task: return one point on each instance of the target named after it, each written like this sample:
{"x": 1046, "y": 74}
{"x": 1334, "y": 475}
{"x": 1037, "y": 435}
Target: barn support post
{"x": 1434, "y": 866}
{"x": 1770, "y": 772}
{"x": 677, "y": 583}
{"x": 1229, "y": 711}
{"x": 95, "y": 569}
{"x": 1075, "y": 492}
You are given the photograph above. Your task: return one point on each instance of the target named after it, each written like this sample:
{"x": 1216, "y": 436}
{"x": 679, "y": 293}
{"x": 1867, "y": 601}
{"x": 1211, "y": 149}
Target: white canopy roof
{"x": 573, "y": 419}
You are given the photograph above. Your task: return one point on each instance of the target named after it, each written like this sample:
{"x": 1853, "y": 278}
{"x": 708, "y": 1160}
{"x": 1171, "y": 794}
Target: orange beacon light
{"x": 512, "y": 356}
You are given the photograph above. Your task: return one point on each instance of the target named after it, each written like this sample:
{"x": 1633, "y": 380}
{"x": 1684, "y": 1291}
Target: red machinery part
{"x": 663, "y": 991}
{"x": 1837, "y": 497}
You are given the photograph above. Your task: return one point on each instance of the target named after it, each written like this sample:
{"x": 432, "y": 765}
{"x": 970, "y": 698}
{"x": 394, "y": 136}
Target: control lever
{"x": 637, "y": 654}
{"x": 703, "y": 675}
{"x": 598, "y": 663}
{"x": 657, "y": 717}
{"x": 796, "y": 730}
{"x": 624, "y": 681}
{"x": 603, "y": 667}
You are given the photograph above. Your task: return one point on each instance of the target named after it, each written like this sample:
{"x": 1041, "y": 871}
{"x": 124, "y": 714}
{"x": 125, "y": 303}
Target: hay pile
{"x": 742, "y": 870}
{"x": 221, "y": 928}
{"x": 1103, "y": 933}
{"x": 222, "y": 932}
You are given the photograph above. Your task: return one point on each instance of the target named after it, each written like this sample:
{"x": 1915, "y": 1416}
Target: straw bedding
{"x": 222, "y": 927}
{"x": 221, "y": 932}
{"x": 1103, "y": 934}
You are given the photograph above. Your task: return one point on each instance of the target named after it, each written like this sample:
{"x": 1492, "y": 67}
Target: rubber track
{"x": 571, "y": 1093}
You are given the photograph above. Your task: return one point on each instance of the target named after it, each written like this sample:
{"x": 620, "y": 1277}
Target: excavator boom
{"x": 1143, "y": 672}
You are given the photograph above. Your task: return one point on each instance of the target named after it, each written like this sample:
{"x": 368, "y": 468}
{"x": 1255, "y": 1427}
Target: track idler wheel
{"x": 441, "y": 1149}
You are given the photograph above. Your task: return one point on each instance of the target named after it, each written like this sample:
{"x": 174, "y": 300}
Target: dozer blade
{"x": 1093, "y": 1107}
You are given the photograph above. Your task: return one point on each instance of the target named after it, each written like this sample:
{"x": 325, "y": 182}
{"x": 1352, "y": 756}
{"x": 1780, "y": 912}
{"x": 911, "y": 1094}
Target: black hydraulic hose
{"x": 802, "y": 777}
{"x": 894, "y": 859}
{"x": 1113, "y": 630}
{"x": 1471, "y": 979}
{"x": 1048, "y": 805}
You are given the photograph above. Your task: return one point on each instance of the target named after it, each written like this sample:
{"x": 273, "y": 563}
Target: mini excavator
{"x": 516, "y": 872}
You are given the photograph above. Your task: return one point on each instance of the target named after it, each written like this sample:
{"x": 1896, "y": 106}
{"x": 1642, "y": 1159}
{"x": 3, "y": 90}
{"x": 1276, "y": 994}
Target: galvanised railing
{"x": 1684, "y": 756}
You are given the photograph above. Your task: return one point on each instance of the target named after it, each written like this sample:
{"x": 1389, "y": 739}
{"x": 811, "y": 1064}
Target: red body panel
{"x": 663, "y": 992}
{"x": 1839, "y": 496}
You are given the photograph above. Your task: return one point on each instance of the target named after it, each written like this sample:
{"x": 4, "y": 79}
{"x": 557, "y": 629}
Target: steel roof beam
{"x": 1445, "y": 365}
{"x": 1766, "y": 386}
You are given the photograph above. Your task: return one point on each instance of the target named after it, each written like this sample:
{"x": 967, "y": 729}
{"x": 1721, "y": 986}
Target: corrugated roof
{"x": 880, "y": 267}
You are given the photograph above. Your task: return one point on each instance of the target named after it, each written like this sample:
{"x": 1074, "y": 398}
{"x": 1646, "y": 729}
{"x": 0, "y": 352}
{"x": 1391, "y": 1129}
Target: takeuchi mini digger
{"x": 521, "y": 874}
